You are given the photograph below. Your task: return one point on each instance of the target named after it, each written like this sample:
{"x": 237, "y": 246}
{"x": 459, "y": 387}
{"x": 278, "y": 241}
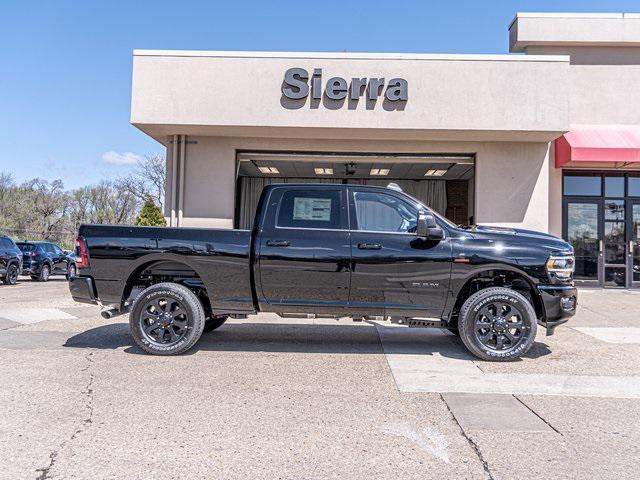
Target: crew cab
{"x": 331, "y": 250}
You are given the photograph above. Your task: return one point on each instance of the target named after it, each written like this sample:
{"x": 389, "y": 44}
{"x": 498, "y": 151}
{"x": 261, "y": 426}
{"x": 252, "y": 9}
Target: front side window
{"x": 380, "y": 212}
{"x": 310, "y": 209}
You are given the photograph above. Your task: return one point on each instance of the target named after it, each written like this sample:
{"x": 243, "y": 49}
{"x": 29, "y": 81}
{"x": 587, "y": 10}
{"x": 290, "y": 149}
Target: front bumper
{"x": 83, "y": 290}
{"x": 559, "y": 303}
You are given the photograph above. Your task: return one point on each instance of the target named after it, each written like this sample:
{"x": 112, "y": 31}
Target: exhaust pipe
{"x": 110, "y": 312}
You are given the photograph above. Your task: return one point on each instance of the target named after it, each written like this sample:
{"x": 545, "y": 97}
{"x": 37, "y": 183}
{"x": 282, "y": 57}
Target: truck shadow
{"x": 300, "y": 338}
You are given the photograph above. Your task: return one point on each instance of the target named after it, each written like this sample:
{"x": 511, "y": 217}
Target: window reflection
{"x": 614, "y": 210}
{"x": 614, "y": 242}
{"x": 582, "y": 233}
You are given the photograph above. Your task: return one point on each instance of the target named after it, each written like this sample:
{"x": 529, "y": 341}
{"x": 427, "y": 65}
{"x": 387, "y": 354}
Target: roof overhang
{"x": 574, "y": 29}
{"x": 450, "y": 97}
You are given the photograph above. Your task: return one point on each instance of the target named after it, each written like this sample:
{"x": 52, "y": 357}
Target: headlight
{"x": 562, "y": 266}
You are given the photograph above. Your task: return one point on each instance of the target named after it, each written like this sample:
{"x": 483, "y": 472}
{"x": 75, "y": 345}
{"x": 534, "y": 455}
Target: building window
{"x": 580, "y": 185}
{"x": 614, "y": 186}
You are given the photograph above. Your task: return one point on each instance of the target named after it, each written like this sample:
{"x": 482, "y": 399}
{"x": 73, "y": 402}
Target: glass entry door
{"x": 583, "y": 225}
{"x": 633, "y": 245}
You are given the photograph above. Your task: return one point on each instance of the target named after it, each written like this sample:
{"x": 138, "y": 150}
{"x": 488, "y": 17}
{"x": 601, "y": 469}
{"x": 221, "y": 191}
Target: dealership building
{"x": 544, "y": 138}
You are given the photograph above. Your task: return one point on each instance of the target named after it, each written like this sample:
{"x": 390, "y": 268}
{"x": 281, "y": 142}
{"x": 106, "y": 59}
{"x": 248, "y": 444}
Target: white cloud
{"x": 126, "y": 158}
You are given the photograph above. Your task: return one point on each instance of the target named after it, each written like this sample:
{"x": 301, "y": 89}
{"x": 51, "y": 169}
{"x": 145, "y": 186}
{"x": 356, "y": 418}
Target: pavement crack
{"x": 44, "y": 472}
{"x": 87, "y": 392}
{"x": 474, "y": 446}
{"x": 539, "y": 416}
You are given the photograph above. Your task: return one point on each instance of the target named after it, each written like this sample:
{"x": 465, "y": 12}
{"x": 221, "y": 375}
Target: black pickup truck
{"x": 331, "y": 250}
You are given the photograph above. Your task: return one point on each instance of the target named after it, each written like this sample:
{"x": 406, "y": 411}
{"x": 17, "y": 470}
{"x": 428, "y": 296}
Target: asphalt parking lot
{"x": 274, "y": 398}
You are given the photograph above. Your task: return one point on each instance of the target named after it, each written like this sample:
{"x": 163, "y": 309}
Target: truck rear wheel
{"x": 497, "y": 324}
{"x": 166, "y": 319}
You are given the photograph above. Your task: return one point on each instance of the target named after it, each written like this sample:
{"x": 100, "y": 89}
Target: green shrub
{"x": 150, "y": 216}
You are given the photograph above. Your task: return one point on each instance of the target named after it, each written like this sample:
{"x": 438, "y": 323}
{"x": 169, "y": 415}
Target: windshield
{"x": 26, "y": 247}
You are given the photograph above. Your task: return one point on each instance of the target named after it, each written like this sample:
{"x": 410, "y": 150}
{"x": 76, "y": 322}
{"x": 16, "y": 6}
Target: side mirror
{"x": 428, "y": 228}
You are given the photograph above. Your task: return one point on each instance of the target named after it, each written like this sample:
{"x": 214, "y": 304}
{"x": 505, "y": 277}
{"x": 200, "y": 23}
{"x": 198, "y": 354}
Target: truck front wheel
{"x": 166, "y": 319}
{"x": 497, "y": 324}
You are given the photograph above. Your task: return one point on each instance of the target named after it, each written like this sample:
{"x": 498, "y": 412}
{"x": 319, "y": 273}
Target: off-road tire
{"x": 213, "y": 323}
{"x": 11, "y": 276}
{"x": 186, "y": 299}
{"x": 467, "y": 323}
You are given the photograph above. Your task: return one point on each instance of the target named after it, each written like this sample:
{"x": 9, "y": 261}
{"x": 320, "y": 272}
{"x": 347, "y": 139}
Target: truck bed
{"x": 220, "y": 257}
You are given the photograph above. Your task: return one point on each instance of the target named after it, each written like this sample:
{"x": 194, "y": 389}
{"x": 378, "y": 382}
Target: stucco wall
{"x": 511, "y": 186}
{"x": 506, "y": 94}
{"x": 603, "y": 84}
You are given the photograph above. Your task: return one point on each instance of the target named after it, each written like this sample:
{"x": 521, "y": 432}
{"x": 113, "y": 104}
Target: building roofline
{"x": 620, "y": 15}
{"x": 351, "y": 55}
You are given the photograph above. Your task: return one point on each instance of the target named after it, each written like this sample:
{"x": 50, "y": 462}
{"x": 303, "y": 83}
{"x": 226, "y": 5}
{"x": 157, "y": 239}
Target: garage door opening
{"x": 443, "y": 182}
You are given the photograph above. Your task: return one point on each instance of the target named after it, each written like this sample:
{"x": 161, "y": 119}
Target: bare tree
{"x": 147, "y": 180}
{"x": 42, "y": 210}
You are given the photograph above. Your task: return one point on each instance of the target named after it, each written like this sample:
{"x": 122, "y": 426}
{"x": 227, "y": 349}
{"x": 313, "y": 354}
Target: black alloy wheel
{"x": 11, "y": 277}
{"x": 166, "y": 319}
{"x": 498, "y": 324}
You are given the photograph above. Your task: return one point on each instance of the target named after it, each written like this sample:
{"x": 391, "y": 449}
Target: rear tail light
{"x": 82, "y": 259}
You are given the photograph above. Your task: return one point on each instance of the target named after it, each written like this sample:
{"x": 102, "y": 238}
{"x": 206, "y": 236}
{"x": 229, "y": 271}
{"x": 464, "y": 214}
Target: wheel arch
{"x": 166, "y": 268}
{"x": 497, "y": 276}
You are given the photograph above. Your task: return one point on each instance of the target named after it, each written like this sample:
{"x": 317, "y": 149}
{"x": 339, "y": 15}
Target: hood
{"x": 520, "y": 235}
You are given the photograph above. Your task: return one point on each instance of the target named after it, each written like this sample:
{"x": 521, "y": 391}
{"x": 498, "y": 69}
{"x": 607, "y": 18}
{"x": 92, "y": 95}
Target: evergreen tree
{"x": 150, "y": 215}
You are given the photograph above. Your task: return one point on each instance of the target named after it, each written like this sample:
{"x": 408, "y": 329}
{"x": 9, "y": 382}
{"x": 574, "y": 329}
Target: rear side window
{"x": 26, "y": 247}
{"x": 310, "y": 209}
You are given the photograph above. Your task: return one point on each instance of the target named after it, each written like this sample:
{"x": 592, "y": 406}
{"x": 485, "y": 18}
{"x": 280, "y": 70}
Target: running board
{"x": 420, "y": 322}
{"x": 407, "y": 321}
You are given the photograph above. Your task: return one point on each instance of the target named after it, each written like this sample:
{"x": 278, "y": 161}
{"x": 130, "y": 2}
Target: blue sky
{"x": 66, "y": 65}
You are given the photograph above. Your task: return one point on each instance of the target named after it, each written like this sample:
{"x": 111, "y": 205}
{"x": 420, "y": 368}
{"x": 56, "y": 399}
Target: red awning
{"x": 599, "y": 143}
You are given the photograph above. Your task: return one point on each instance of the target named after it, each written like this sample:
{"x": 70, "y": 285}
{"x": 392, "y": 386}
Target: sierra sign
{"x": 297, "y": 85}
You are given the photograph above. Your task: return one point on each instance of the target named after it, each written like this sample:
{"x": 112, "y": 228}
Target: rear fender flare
{"x": 145, "y": 262}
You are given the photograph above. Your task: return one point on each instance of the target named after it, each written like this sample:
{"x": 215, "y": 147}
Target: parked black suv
{"x": 10, "y": 260}
{"x": 43, "y": 259}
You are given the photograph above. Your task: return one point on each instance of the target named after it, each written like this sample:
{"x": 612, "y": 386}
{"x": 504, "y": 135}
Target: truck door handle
{"x": 369, "y": 246}
{"x": 278, "y": 243}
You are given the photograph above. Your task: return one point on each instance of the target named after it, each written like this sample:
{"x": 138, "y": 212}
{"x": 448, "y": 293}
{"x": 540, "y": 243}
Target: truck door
{"x": 304, "y": 250}
{"x": 393, "y": 271}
